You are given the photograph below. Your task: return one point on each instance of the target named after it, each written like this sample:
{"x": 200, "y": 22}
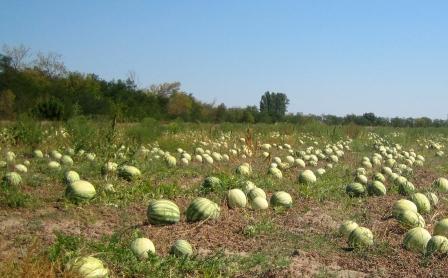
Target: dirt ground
{"x": 306, "y": 234}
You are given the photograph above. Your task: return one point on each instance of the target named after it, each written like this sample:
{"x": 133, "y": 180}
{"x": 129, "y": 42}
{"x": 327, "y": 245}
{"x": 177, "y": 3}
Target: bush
{"x": 12, "y": 197}
{"x": 27, "y": 131}
{"x": 147, "y": 130}
{"x": 353, "y": 130}
{"x": 51, "y": 109}
{"x": 82, "y": 132}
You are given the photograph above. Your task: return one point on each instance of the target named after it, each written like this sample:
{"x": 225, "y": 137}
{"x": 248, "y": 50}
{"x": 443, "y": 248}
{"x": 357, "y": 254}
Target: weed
{"x": 11, "y": 196}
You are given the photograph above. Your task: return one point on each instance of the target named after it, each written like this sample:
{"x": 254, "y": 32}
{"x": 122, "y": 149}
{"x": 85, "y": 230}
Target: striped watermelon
{"x": 259, "y": 203}
{"x": 281, "y": 199}
{"x": 141, "y": 247}
{"x": 202, "y": 209}
{"x": 170, "y": 161}
{"x": 80, "y": 190}
{"x": 162, "y": 212}
{"x": 12, "y": 178}
{"x": 275, "y": 172}
{"x": 38, "y": 154}
{"x": 129, "y": 173}
{"x": 54, "y": 165}
{"x": 256, "y": 192}
{"x": 67, "y": 160}
{"x": 70, "y": 177}
{"x": 236, "y": 198}
{"x": 181, "y": 248}
{"x": 211, "y": 183}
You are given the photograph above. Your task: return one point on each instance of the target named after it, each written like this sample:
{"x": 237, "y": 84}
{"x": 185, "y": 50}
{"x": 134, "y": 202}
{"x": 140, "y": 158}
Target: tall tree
{"x": 274, "y": 104}
{"x": 180, "y": 105}
{"x": 220, "y": 113}
{"x": 18, "y": 55}
{"x": 7, "y": 100}
{"x": 370, "y": 118}
{"x": 50, "y": 64}
{"x": 165, "y": 89}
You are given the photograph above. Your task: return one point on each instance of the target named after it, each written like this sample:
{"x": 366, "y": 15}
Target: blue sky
{"x": 329, "y": 57}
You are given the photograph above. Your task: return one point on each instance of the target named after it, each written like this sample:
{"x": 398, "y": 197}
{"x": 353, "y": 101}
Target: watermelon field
{"x": 103, "y": 199}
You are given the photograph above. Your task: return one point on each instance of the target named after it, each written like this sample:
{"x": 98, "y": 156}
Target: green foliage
{"x": 166, "y": 191}
{"x": 82, "y": 131}
{"x": 268, "y": 239}
{"x": 11, "y": 196}
{"x": 28, "y": 131}
{"x": 139, "y": 191}
{"x": 53, "y": 93}
{"x": 7, "y": 101}
{"x": 146, "y": 131}
{"x": 51, "y": 109}
{"x": 265, "y": 226}
{"x": 114, "y": 251}
{"x": 274, "y": 105}
{"x": 64, "y": 245}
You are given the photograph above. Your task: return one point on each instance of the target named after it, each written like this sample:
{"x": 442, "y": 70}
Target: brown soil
{"x": 19, "y": 227}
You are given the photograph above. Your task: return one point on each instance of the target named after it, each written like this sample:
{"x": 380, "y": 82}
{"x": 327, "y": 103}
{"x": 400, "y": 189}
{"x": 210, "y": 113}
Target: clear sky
{"x": 389, "y": 57}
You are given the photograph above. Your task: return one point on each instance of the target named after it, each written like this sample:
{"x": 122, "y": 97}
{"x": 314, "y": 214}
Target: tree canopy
{"x": 274, "y": 105}
{"x": 42, "y": 87}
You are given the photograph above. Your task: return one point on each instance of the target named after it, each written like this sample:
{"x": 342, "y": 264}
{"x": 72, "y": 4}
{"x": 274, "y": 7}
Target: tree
{"x": 274, "y": 105}
{"x": 423, "y": 122}
{"x": 50, "y": 64}
{"x": 5, "y": 63}
{"x": 165, "y": 89}
{"x": 398, "y": 122}
{"x": 248, "y": 117}
{"x": 132, "y": 79}
{"x": 220, "y": 114}
{"x": 50, "y": 109}
{"x": 332, "y": 119}
{"x": 370, "y": 118}
{"x": 180, "y": 105}
{"x": 7, "y": 100}
{"x": 17, "y": 55}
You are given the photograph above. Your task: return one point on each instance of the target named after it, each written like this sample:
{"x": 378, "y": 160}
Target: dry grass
{"x": 33, "y": 264}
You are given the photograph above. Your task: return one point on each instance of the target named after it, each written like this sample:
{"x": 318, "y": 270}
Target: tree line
{"x": 41, "y": 86}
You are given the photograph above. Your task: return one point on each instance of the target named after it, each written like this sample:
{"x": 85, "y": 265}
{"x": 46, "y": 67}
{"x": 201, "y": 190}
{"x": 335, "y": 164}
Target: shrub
{"x": 82, "y": 132}
{"x": 27, "y": 131}
{"x": 146, "y": 131}
{"x": 51, "y": 109}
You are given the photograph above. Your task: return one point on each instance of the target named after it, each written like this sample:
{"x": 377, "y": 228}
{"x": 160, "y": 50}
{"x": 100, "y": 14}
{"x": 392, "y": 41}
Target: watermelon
{"x": 402, "y": 205}
{"x": 129, "y": 173}
{"x": 259, "y": 203}
{"x": 88, "y": 267}
{"x": 12, "y": 179}
{"x": 422, "y": 202}
{"x": 161, "y": 212}
{"x": 181, "y": 248}
{"x": 202, "y": 209}
{"x": 437, "y": 245}
{"x": 360, "y": 237}
{"x": 70, "y": 177}
{"x": 410, "y": 219}
{"x": 355, "y": 189}
{"x": 376, "y": 188}
{"x": 256, "y": 192}
{"x": 236, "y": 198}
{"x": 441, "y": 227}
{"x": 416, "y": 239}
{"x": 307, "y": 176}
{"x": 347, "y": 227}
{"x": 281, "y": 199}
{"x": 141, "y": 247}
{"x": 80, "y": 191}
